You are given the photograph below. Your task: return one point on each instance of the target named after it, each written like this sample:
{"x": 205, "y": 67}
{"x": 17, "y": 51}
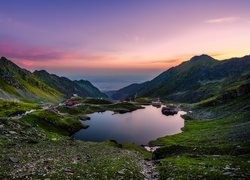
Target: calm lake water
{"x": 139, "y": 126}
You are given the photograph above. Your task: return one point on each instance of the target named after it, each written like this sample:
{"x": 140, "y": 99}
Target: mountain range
{"x": 197, "y": 79}
{"x": 18, "y": 83}
{"x": 200, "y": 78}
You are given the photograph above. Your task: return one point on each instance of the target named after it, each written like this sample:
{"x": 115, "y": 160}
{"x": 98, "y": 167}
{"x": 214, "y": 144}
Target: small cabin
{"x": 70, "y": 103}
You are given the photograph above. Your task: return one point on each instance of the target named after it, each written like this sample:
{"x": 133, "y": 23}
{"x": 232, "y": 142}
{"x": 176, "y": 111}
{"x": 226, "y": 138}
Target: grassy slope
{"x": 8, "y": 108}
{"x": 68, "y": 159}
{"x": 192, "y": 81}
{"x": 19, "y": 83}
{"x": 40, "y": 150}
{"x": 214, "y": 144}
{"x": 52, "y": 122}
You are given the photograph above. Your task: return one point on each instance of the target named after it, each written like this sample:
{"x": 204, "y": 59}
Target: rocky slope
{"x": 27, "y": 153}
{"x": 37, "y": 146}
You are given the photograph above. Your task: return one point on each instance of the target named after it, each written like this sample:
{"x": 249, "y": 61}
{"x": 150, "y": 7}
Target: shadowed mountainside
{"x": 197, "y": 79}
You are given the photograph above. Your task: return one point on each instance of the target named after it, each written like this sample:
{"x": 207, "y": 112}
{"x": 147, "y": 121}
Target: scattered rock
{"x": 122, "y": 172}
{"x": 154, "y": 175}
{"x": 202, "y": 164}
{"x": 228, "y": 174}
{"x": 12, "y": 132}
{"x": 226, "y": 168}
{"x": 86, "y": 161}
{"x": 14, "y": 160}
{"x": 68, "y": 171}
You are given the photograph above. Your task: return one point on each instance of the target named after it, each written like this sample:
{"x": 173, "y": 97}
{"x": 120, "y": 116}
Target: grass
{"x": 92, "y": 100}
{"x": 123, "y": 107}
{"x": 7, "y": 88}
{"x": 47, "y": 95}
{"x": 204, "y": 167}
{"x": 143, "y": 100}
{"x": 134, "y": 147}
{"x": 88, "y": 109}
{"x": 8, "y": 108}
{"x": 214, "y": 143}
{"x": 69, "y": 159}
{"x": 52, "y": 122}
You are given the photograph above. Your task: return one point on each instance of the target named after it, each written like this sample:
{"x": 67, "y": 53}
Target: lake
{"x": 139, "y": 126}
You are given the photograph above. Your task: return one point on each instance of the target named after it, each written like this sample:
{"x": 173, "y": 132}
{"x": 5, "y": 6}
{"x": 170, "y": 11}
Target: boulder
{"x": 169, "y": 111}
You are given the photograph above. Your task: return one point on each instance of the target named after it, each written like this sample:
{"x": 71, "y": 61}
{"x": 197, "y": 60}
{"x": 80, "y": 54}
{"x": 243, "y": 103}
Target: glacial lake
{"x": 140, "y": 126}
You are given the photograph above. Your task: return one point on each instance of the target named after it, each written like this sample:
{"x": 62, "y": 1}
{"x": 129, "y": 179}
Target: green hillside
{"x": 215, "y": 140}
{"x": 40, "y": 86}
{"x": 197, "y": 79}
{"x": 18, "y": 83}
{"x": 67, "y": 87}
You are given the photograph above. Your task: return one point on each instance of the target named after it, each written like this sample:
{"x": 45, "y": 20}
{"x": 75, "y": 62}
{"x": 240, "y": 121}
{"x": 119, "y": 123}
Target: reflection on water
{"x": 139, "y": 126}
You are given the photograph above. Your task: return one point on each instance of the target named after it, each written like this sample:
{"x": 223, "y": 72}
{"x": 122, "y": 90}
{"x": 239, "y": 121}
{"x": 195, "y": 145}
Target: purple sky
{"x": 114, "y": 43}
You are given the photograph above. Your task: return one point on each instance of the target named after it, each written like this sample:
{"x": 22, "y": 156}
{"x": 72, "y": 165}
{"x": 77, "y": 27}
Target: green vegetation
{"x": 92, "y": 100}
{"x": 91, "y": 108}
{"x": 8, "y": 88}
{"x": 213, "y": 144}
{"x": 69, "y": 159}
{"x": 18, "y": 83}
{"x": 192, "y": 81}
{"x": 188, "y": 166}
{"x": 33, "y": 147}
{"x": 52, "y": 122}
{"x": 134, "y": 147}
{"x": 123, "y": 107}
{"x": 9, "y": 108}
{"x": 143, "y": 100}
{"x": 67, "y": 87}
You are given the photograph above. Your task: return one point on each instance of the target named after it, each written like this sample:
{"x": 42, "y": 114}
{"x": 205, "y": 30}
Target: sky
{"x": 114, "y": 43}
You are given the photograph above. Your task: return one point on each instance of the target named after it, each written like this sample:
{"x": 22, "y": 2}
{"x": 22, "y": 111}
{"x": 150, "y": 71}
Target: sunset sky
{"x": 120, "y": 41}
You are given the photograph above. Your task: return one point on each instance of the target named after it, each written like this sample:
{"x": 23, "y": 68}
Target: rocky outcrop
{"x": 169, "y": 111}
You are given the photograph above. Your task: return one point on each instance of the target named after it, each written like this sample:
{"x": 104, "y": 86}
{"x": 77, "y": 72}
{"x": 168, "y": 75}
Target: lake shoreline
{"x": 155, "y": 125}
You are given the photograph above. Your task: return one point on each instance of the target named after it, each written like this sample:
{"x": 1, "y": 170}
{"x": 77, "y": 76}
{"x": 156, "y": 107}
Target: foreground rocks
{"x": 73, "y": 160}
{"x": 28, "y": 153}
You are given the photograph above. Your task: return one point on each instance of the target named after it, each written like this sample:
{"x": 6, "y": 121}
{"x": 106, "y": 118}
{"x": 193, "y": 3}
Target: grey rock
{"x": 154, "y": 175}
{"x": 121, "y": 172}
{"x": 228, "y": 174}
{"x": 12, "y": 159}
{"x": 12, "y": 132}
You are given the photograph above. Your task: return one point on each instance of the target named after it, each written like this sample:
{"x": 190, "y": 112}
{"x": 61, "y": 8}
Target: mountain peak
{"x": 41, "y": 71}
{"x": 3, "y": 58}
{"x": 202, "y": 57}
{"x": 6, "y": 62}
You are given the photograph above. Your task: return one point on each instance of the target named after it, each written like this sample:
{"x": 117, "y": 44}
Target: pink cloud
{"x": 37, "y": 57}
{"x": 20, "y": 51}
{"x": 222, "y": 20}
